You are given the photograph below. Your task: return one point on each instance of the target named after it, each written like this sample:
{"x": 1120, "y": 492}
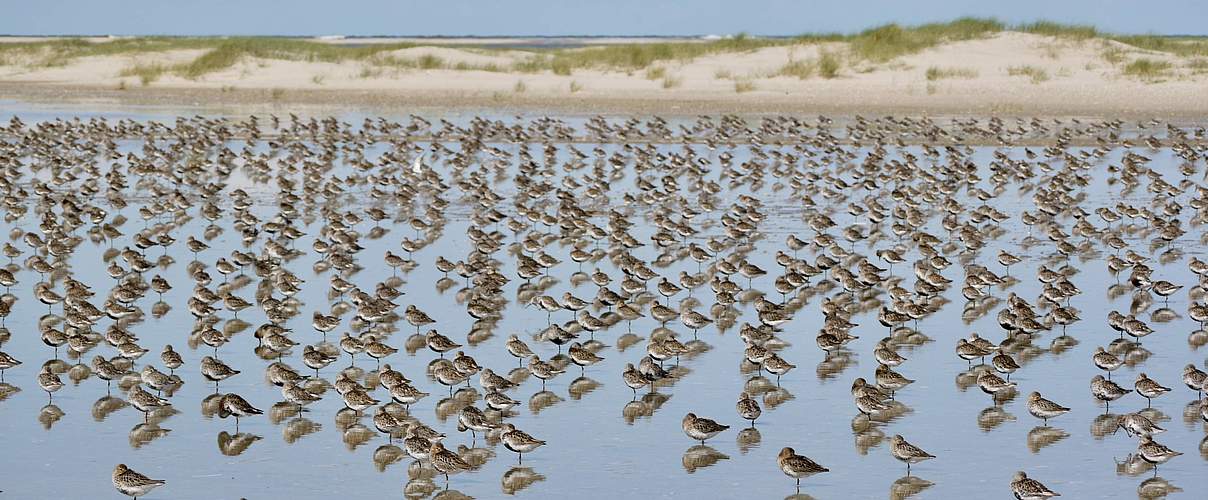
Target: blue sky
{"x": 567, "y": 17}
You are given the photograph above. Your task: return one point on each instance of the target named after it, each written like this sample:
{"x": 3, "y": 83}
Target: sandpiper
{"x": 748, "y": 408}
{"x": 1195, "y": 379}
{"x": 1154, "y": 452}
{"x": 1044, "y": 409}
{"x": 700, "y": 428}
{"x": 1106, "y": 361}
{"x": 132, "y": 484}
{"x": 633, "y": 379}
{"x": 1136, "y": 424}
{"x": 1106, "y": 390}
{"x": 991, "y": 384}
{"x": 439, "y": 343}
{"x": 797, "y": 466}
{"x": 1026, "y": 488}
{"x": 1149, "y": 388}
{"x": 542, "y": 370}
{"x": 234, "y": 405}
{"x": 518, "y": 440}
{"x": 6, "y": 362}
{"x": 445, "y": 461}
{"x": 907, "y": 452}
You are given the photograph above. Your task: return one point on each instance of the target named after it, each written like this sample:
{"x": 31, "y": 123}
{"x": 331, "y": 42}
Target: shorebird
{"x": 1154, "y": 452}
{"x": 7, "y": 362}
{"x": 700, "y": 428}
{"x": 445, "y": 461}
{"x": 234, "y": 405}
{"x": 907, "y": 452}
{"x": 145, "y": 401}
{"x": 1149, "y": 389}
{"x": 1136, "y": 424}
{"x": 216, "y": 371}
{"x": 1044, "y": 409}
{"x": 748, "y": 408}
{"x": 1026, "y": 488}
{"x": 542, "y": 370}
{"x": 1106, "y": 390}
{"x": 1195, "y": 379}
{"x": 797, "y": 466}
{"x": 132, "y": 484}
{"x": 518, "y": 441}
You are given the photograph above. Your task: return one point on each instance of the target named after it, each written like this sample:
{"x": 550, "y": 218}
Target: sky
{"x": 568, "y": 17}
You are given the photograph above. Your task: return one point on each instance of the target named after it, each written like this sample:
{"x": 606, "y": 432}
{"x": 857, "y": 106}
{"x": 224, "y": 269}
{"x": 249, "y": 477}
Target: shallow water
{"x": 602, "y": 443}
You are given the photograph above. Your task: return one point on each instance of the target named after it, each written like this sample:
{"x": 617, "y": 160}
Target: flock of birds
{"x": 911, "y": 227}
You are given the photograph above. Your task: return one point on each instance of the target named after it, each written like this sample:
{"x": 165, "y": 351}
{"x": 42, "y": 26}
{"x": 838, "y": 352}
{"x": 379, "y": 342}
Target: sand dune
{"x": 1008, "y": 72}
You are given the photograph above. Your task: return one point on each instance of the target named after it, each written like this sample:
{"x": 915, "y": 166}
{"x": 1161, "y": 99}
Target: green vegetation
{"x": 797, "y": 69}
{"x": 1049, "y": 28}
{"x": 1147, "y": 69}
{"x": 869, "y": 47}
{"x": 723, "y": 74}
{"x": 937, "y": 73}
{"x": 575, "y": 86}
{"x": 1179, "y": 46}
{"x": 656, "y": 72}
{"x": 670, "y": 82}
{"x": 520, "y": 87}
{"x": 828, "y": 65}
{"x": 890, "y": 41}
{"x": 1037, "y": 74}
{"x": 146, "y": 73}
{"x": 741, "y": 86}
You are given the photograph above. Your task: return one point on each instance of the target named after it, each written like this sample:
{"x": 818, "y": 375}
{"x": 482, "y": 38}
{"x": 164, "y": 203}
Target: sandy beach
{"x": 1007, "y": 73}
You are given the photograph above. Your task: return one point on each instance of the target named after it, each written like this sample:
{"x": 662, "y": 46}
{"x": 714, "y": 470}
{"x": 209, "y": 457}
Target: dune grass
{"x": 146, "y": 73}
{"x": 937, "y": 73}
{"x": 1035, "y": 73}
{"x": 1147, "y": 69}
{"x": 798, "y": 69}
{"x": 887, "y": 42}
{"x": 1059, "y": 30}
{"x": 742, "y": 86}
{"x": 872, "y": 46}
{"x": 828, "y": 64}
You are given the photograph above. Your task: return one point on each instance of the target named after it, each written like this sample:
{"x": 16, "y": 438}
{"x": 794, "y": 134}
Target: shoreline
{"x": 312, "y": 101}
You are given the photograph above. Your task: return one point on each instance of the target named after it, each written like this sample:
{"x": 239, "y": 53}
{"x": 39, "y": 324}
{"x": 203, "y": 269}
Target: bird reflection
{"x": 107, "y": 405}
{"x": 581, "y": 386}
{"x": 832, "y": 366}
{"x": 542, "y": 400}
{"x": 992, "y": 417}
{"x": 387, "y": 455}
{"x": 418, "y": 488}
{"x": 634, "y": 410}
{"x": 356, "y": 435}
{"x": 1133, "y": 465}
{"x": 867, "y": 433}
{"x": 519, "y": 478}
{"x": 476, "y": 457}
{"x": 776, "y": 397}
{"x": 298, "y": 428}
{"x": 908, "y": 486}
{"x": 50, "y": 415}
{"x": 233, "y": 445}
{"x": 143, "y": 433}
{"x": 451, "y": 495}
{"x": 748, "y": 439}
{"x": 1043, "y": 436}
{"x": 1104, "y": 424}
{"x": 7, "y": 390}
{"x": 701, "y": 456}
{"x": 1156, "y": 487}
